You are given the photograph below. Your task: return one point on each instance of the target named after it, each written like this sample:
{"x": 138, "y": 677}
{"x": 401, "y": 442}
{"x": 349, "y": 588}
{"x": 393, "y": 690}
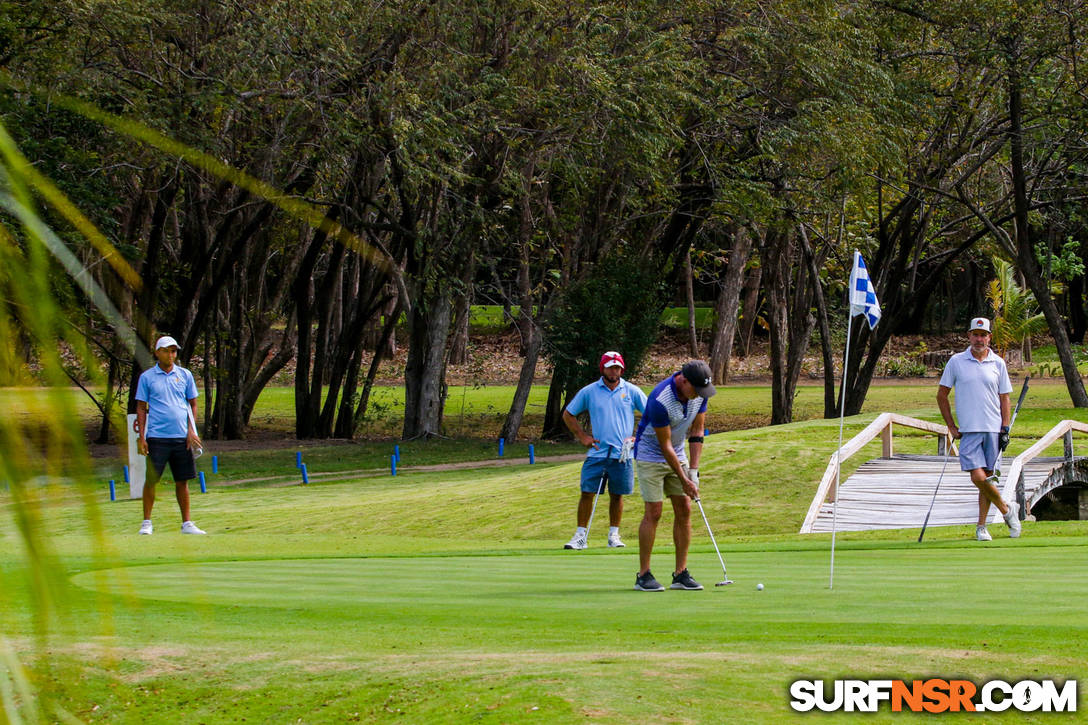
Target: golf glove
{"x": 627, "y": 450}
{"x": 693, "y": 474}
{"x": 1003, "y": 438}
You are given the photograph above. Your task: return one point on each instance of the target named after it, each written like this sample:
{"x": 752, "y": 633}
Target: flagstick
{"x": 838, "y": 451}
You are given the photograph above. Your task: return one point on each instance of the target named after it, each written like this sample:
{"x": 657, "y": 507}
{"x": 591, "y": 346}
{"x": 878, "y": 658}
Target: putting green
{"x": 930, "y": 586}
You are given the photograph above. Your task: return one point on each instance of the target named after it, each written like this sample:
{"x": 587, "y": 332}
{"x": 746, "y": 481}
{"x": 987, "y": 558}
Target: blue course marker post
{"x": 305, "y": 476}
{"x": 215, "y": 464}
{"x": 396, "y": 452}
{"x": 113, "y": 491}
{"x": 532, "y": 458}
{"x": 502, "y": 444}
{"x": 393, "y": 464}
{"x": 124, "y": 469}
{"x": 203, "y": 483}
{"x": 298, "y": 459}
{"x": 706, "y": 431}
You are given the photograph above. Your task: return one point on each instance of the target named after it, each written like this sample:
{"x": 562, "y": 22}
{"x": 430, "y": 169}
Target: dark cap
{"x": 697, "y": 373}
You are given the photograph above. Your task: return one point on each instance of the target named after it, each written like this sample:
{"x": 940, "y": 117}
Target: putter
{"x": 600, "y": 487}
{"x": 727, "y": 580}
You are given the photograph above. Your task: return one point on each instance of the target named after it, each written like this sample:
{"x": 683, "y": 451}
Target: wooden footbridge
{"x": 894, "y": 491}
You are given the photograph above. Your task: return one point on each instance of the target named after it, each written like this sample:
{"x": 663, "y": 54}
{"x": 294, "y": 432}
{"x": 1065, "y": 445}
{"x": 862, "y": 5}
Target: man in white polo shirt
{"x": 982, "y": 386}
{"x": 611, "y": 402}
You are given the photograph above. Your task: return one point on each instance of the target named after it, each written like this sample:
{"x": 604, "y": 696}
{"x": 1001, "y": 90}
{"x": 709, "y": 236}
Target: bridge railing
{"x": 881, "y": 426}
{"x": 1014, "y": 479}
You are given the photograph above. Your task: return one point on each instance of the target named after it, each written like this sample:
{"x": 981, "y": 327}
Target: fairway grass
{"x": 445, "y": 596}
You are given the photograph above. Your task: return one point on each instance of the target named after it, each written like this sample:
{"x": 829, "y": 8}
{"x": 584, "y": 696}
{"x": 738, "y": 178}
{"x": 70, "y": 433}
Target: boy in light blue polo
{"x": 982, "y": 386}
{"x": 611, "y": 402}
{"x": 166, "y": 422}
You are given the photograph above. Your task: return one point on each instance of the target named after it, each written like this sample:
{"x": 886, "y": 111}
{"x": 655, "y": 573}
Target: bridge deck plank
{"x": 894, "y": 493}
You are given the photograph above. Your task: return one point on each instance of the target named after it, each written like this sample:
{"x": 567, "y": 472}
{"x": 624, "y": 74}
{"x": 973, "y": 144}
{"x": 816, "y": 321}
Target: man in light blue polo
{"x": 611, "y": 402}
{"x": 166, "y": 418}
{"x": 982, "y": 386}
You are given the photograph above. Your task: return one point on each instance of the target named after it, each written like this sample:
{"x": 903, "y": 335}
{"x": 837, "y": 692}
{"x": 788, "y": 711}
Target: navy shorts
{"x": 174, "y": 451}
{"x": 620, "y": 476}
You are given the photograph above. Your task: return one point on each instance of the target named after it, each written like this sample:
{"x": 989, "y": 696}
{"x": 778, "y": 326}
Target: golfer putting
{"x": 677, "y": 404}
{"x": 611, "y": 402}
{"x": 166, "y": 418}
{"x": 981, "y": 381}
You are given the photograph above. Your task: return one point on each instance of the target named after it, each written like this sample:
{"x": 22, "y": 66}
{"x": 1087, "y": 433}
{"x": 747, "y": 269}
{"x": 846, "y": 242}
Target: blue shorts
{"x": 620, "y": 476}
{"x": 978, "y": 450}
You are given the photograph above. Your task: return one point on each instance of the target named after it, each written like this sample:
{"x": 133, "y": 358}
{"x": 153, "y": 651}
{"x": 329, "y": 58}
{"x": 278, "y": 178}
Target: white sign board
{"x": 137, "y": 464}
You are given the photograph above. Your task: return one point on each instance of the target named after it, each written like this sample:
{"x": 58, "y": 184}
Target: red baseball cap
{"x": 611, "y": 359}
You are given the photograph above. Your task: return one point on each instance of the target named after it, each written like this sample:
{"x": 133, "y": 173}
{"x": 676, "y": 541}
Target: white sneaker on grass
{"x": 982, "y": 534}
{"x": 1012, "y": 519}
{"x": 145, "y": 527}
{"x": 190, "y": 528}
{"x": 614, "y": 541}
{"x": 578, "y": 541}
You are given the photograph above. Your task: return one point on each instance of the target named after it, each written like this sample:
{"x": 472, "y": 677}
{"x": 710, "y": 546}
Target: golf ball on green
{"x": 759, "y": 587}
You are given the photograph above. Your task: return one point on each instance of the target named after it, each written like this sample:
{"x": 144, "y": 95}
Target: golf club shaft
{"x": 712, "y": 540}
{"x": 600, "y": 485}
{"x": 1012, "y": 422}
{"x": 947, "y": 452}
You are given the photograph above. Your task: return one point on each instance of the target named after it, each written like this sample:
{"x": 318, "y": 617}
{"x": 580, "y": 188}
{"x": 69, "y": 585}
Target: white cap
{"x": 166, "y": 341}
{"x": 979, "y": 323}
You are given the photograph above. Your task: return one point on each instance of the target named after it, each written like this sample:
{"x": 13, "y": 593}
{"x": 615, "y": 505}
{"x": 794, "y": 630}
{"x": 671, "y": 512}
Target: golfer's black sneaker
{"x": 647, "y": 583}
{"x": 683, "y": 580}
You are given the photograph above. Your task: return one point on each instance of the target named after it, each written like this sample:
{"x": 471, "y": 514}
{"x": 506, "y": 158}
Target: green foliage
{"x": 617, "y": 308}
{"x": 903, "y": 366}
{"x": 1014, "y": 314}
{"x": 1063, "y": 264}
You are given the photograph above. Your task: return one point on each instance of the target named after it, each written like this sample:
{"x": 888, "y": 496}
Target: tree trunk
{"x": 1025, "y": 252}
{"x": 825, "y": 325}
{"x": 424, "y": 373}
{"x": 462, "y": 314}
{"x": 725, "y": 309}
{"x": 149, "y": 292}
{"x": 388, "y": 328}
{"x": 1078, "y": 322}
{"x": 113, "y": 372}
{"x": 689, "y": 290}
{"x": 775, "y": 254}
{"x": 554, "y": 427}
{"x": 750, "y": 308}
{"x": 514, "y": 418}
{"x": 790, "y": 319}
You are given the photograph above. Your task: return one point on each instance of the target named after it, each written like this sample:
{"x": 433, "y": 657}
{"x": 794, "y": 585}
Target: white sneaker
{"x": 1012, "y": 519}
{"x": 190, "y": 528}
{"x": 578, "y": 541}
{"x": 982, "y": 534}
{"x": 145, "y": 527}
{"x": 615, "y": 542}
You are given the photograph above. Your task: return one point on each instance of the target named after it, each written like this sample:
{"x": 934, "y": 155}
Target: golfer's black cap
{"x": 698, "y": 374}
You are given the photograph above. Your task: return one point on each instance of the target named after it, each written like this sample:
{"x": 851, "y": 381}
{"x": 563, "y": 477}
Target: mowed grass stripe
{"x": 900, "y": 586}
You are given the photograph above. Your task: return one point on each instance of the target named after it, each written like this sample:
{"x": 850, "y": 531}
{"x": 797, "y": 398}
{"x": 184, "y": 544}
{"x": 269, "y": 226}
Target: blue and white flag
{"x": 863, "y": 293}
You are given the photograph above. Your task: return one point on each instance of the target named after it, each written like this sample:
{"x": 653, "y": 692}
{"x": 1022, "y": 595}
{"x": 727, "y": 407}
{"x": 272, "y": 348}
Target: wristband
{"x": 695, "y": 439}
